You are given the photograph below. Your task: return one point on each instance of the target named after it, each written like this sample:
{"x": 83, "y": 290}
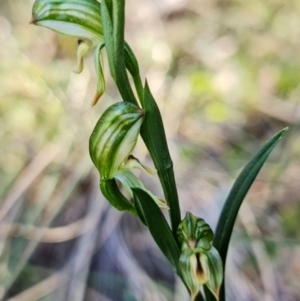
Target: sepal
{"x": 133, "y": 163}
{"x": 111, "y": 192}
{"x": 215, "y": 267}
{"x": 101, "y": 85}
{"x": 194, "y": 270}
{"x": 130, "y": 181}
{"x": 82, "y": 48}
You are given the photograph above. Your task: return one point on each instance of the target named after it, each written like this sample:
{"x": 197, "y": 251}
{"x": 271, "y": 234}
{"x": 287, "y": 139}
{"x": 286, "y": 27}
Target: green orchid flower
{"x": 111, "y": 143}
{"x": 80, "y": 19}
{"x": 199, "y": 262}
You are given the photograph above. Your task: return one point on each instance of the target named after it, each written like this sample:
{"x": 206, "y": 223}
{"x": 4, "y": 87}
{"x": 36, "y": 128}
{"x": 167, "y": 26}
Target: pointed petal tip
{"x": 32, "y": 21}
{"x": 162, "y": 204}
{"x": 77, "y": 70}
{"x": 194, "y": 294}
{"x": 96, "y": 99}
{"x": 82, "y": 48}
{"x": 134, "y": 163}
{"x": 215, "y": 292}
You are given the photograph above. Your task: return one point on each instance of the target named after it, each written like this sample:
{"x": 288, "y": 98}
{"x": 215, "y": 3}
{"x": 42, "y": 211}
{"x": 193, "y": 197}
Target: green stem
{"x": 122, "y": 81}
{"x": 108, "y": 33}
{"x": 153, "y": 130}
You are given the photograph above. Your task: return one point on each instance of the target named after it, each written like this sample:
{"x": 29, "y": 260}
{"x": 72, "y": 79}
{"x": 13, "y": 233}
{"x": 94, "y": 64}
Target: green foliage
{"x": 158, "y": 226}
{"x": 115, "y": 136}
{"x": 237, "y": 195}
{"x": 153, "y": 134}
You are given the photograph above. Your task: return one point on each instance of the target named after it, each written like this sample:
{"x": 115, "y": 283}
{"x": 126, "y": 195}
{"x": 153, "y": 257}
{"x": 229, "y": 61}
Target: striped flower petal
{"x": 114, "y": 137}
{"x": 78, "y": 18}
{"x": 215, "y": 267}
{"x": 194, "y": 270}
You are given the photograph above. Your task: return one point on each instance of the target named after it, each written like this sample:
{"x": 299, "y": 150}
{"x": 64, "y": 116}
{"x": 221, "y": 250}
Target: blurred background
{"x": 225, "y": 74}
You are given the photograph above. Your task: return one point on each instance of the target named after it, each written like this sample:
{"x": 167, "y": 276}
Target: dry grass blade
{"x": 28, "y": 175}
{"x": 42, "y": 288}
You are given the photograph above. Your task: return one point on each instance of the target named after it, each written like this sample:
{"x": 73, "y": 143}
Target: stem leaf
{"x": 157, "y": 224}
{"x": 153, "y": 134}
{"x": 236, "y": 196}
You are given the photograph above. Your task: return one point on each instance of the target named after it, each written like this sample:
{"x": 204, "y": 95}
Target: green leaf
{"x": 154, "y": 137}
{"x": 157, "y": 225}
{"x": 236, "y": 196}
{"x": 131, "y": 61}
{"x": 78, "y": 18}
{"x": 133, "y": 68}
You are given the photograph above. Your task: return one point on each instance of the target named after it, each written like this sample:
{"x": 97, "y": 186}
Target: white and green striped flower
{"x": 77, "y": 18}
{"x": 114, "y": 137}
{"x": 111, "y": 143}
{"x": 199, "y": 262}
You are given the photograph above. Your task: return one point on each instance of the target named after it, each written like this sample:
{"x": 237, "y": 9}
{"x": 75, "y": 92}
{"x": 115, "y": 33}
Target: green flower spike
{"x": 199, "y": 262}
{"x": 111, "y": 143}
{"x": 77, "y": 18}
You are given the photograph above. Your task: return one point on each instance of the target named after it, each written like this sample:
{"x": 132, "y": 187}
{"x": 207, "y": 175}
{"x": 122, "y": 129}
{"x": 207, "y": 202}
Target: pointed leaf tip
{"x": 284, "y": 131}
{"x": 236, "y": 196}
